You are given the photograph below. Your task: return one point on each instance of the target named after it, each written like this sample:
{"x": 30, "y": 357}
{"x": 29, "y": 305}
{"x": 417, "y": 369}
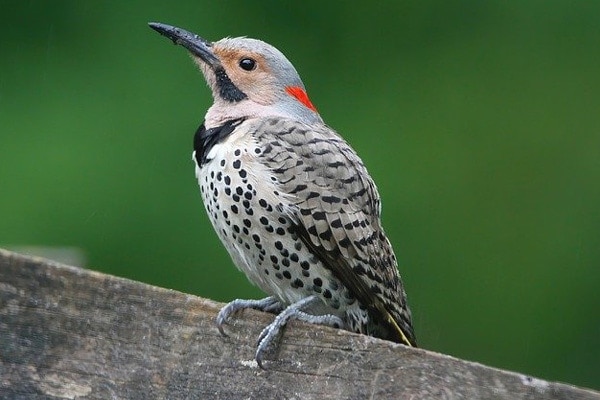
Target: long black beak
{"x": 194, "y": 43}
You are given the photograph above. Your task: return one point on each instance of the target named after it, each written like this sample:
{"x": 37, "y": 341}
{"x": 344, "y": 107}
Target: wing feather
{"x": 336, "y": 212}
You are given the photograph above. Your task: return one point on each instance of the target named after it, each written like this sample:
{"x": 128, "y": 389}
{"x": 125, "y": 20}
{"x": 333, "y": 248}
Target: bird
{"x": 290, "y": 200}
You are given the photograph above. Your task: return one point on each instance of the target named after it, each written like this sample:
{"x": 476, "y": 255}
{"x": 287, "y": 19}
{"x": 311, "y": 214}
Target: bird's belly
{"x": 249, "y": 215}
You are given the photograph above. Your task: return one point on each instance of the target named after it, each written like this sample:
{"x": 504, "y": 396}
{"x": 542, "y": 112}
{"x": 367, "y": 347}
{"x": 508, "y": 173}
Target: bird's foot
{"x": 268, "y": 304}
{"x": 328, "y": 320}
{"x": 294, "y": 311}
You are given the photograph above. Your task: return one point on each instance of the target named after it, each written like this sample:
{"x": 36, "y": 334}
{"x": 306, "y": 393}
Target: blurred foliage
{"x": 478, "y": 120}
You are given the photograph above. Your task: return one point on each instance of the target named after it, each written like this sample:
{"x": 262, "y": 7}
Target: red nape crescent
{"x": 301, "y": 96}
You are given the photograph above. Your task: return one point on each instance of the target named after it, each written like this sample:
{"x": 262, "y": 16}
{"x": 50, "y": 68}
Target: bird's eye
{"x": 247, "y": 64}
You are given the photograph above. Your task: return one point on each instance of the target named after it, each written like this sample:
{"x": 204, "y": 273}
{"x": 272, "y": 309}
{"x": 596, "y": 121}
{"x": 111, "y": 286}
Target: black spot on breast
{"x": 297, "y": 283}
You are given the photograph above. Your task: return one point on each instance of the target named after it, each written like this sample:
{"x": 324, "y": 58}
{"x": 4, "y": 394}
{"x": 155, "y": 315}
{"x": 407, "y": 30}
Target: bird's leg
{"x": 294, "y": 311}
{"x": 268, "y": 304}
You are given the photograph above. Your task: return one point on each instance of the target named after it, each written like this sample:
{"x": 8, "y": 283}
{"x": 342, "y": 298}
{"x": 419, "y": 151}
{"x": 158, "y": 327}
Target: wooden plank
{"x": 70, "y": 333}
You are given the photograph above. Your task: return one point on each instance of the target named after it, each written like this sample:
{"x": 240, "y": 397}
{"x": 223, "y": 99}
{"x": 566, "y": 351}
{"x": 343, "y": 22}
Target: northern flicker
{"x": 290, "y": 200}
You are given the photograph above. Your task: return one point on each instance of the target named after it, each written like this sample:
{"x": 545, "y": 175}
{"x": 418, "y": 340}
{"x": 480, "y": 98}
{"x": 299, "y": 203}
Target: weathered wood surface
{"x": 70, "y": 333}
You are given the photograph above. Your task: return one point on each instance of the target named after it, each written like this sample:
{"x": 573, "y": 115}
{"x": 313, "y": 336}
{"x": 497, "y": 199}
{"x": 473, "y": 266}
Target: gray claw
{"x": 268, "y": 304}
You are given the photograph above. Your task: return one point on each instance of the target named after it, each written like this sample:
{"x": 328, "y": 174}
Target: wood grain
{"x": 70, "y": 333}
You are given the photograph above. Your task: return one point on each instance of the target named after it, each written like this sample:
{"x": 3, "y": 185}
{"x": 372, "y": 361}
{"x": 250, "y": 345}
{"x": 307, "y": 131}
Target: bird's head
{"x": 248, "y": 77}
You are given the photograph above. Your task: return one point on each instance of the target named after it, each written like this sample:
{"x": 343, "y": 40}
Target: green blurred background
{"x": 478, "y": 120}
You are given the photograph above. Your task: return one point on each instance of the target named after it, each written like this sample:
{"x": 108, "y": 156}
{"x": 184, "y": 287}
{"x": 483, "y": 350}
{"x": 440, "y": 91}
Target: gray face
{"x": 247, "y": 77}
{"x": 258, "y": 77}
